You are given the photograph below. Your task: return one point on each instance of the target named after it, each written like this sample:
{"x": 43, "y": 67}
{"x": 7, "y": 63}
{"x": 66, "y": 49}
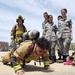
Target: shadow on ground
{"x": 29, "y": 68}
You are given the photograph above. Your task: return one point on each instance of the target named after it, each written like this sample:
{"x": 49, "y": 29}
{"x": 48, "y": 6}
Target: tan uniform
{"x": 17, "y": 32}
{"x": 24, "y": 49}
{"x": 7, "y": 57}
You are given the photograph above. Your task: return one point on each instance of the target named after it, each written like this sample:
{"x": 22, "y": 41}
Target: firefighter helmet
{"x": 20, "y": 18}
{"x": 25, "y": 36}
{"x": 34, "y": 34}
{"x": 31, "y": 35}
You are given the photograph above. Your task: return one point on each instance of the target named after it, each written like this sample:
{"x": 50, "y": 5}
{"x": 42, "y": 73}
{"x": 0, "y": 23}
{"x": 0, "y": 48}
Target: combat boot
{"x": 53, "y": 58}
{"x": 65, "y": 57}
{"x": 59, "y": 60}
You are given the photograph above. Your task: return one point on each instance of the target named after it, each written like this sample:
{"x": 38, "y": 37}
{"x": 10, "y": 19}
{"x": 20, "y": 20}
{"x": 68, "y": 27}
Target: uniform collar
{"x": 64, "y": 18}
{"x": 51, "y": 23}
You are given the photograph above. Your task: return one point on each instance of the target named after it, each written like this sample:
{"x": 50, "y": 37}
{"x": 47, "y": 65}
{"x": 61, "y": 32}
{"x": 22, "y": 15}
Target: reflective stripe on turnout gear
{"x": 19, "y": 32}
{"x": 46, "y": 63}
{"x": 17, "y": 67}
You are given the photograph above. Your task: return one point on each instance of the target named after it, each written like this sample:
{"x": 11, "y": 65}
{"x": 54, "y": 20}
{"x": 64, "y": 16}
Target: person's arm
{"x": 13, "y": 32}
{"x": 71, "y": 36}
{"x": 17, "y": 67}
{"x": 46, "y": 61}
{"x": 19, "y": 54}
{"x": 45, "y": 58}
{"x": 55, "y": 29}
{"x": 70, "y": 23}
{"x": 43, "y": 27}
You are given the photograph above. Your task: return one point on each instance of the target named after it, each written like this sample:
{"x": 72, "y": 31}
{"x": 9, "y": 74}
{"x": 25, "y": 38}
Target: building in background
{"x": 4, "y": 46}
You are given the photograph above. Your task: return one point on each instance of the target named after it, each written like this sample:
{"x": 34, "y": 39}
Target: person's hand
{"x": 20, "y": 72}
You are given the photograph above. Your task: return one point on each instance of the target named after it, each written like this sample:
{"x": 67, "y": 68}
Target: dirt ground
{"x": 31, "y": 69}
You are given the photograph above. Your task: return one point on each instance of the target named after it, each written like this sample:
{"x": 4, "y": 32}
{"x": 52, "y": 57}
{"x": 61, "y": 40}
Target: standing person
{"x": 59, "y": 17}
{"x": 51, "y": 30}
{"x": 45, "y": 21}
{"x": 18, "y": 29}
{"x": 31, "y": 51}
{"x": 65, "y": 33}
{"x": 59, "y": 43}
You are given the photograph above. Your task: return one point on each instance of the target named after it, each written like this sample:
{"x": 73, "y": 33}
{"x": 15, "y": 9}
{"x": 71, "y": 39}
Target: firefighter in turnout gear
{"x": 31, "y": 51}
{"x": 18, "y": 30}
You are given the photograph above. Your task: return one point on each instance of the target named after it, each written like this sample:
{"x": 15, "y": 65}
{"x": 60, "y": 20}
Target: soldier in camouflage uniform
{"x": 45, "y": 21}
{"x": 59, "y": 44}
{"x": 50, "y": 30}
{"x": 65, "y": 33}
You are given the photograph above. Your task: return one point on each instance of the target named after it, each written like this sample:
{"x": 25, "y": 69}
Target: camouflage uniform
{"x": 64, "y": 35}
{"x": 50, "y": 30}
{"x": 43, "y": 27}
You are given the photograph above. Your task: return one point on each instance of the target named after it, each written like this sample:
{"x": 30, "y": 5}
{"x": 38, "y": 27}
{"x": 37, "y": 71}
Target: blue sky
{"x": 32, "y": 11}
